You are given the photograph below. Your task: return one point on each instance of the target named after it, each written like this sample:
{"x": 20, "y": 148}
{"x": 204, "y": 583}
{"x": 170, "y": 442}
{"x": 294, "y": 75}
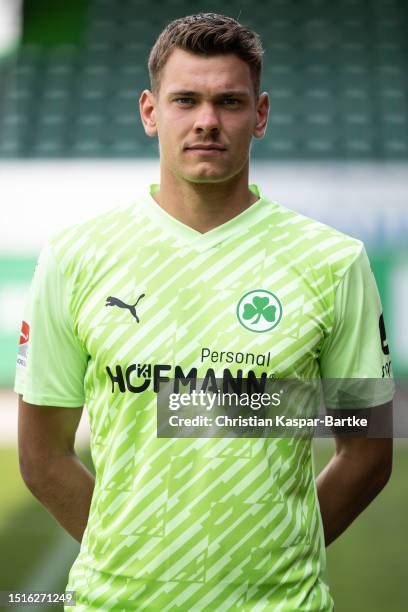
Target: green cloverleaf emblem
{"x": 259, "y": 308}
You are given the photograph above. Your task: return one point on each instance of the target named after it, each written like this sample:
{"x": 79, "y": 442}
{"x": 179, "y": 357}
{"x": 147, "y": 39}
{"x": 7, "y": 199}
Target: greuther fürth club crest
{"x": 259, "y": 310}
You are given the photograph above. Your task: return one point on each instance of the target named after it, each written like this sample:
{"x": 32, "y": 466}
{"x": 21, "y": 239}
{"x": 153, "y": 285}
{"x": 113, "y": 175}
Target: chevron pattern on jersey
{"x": 198, "y": 524}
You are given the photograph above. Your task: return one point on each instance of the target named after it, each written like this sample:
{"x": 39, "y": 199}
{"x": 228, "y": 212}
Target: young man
{"x": 190, "y": 280}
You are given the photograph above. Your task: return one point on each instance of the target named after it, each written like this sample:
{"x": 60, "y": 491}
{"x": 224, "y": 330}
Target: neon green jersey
{"x": 122, "y": 300}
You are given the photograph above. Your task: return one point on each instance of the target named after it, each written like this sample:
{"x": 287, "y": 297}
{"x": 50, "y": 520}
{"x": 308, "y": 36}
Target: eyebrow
{"x": 223, "y": 94}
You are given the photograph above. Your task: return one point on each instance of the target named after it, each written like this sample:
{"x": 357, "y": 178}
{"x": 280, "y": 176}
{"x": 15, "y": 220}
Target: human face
{"x": 205, "y": 116}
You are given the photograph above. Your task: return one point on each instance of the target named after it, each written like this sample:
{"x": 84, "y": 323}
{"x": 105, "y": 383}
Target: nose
{"x": 207, "y": 119}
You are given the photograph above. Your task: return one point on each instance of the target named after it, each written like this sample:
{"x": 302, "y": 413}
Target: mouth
{"x": 206, "y": 150}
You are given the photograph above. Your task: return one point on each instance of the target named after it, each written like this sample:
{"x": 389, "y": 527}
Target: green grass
{"x": 27, "y": 531}
{"x": 366, "y": 565}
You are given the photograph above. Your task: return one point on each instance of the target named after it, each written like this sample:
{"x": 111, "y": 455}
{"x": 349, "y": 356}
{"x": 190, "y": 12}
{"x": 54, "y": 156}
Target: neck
{"x": 203, "y": 206}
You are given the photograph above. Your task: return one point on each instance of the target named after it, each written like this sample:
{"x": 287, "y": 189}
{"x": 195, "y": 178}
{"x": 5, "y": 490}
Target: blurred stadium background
{"x": 72, "y": 145}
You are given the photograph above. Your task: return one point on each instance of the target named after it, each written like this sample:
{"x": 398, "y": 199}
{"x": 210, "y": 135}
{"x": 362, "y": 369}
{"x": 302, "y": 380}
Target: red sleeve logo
{"x": 23, "y": 345}
{"x": 25, "y": 332}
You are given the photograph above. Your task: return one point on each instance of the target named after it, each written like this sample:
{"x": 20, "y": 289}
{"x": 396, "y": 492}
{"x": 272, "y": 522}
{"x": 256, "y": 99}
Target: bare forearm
{"x": 345, "y": 489}
{"x": 65, "y": 488}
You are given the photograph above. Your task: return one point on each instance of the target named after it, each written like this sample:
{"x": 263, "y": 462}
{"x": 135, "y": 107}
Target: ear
{"x": 147, "y": 107}
{"x": 262, "y": 111}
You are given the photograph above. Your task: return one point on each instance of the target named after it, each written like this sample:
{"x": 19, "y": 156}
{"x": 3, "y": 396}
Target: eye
{"x": 184, "y": 101}
{"x": 231, "y": 101}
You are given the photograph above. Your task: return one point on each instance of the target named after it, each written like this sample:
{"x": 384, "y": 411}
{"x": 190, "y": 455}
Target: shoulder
{"x": 312, "y": 242}
{"x": 76, "y": 245}
{"x": 92, "y": 230}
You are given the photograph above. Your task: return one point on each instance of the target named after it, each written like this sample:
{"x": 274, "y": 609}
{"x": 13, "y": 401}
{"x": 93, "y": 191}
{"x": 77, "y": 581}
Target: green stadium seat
{"x": 336, "y": 74}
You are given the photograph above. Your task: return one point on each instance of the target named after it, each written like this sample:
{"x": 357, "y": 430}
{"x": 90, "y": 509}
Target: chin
{"x": 206, "y": 176}
{"x": 207, "y": 179}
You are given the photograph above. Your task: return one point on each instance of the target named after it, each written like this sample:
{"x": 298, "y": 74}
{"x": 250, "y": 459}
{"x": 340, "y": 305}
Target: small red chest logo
{"x": 25, "y": 332}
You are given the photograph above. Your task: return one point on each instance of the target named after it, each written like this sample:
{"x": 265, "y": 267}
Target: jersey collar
{"x": 202, "y": 241}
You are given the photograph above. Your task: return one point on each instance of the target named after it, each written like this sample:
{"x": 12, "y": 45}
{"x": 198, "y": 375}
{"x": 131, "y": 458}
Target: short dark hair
{"x": 207, "y": 34}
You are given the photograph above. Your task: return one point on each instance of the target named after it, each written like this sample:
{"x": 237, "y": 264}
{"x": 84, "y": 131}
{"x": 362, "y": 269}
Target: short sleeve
{"x": 51, "y": 361}
{"x": 357, "y": 346}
